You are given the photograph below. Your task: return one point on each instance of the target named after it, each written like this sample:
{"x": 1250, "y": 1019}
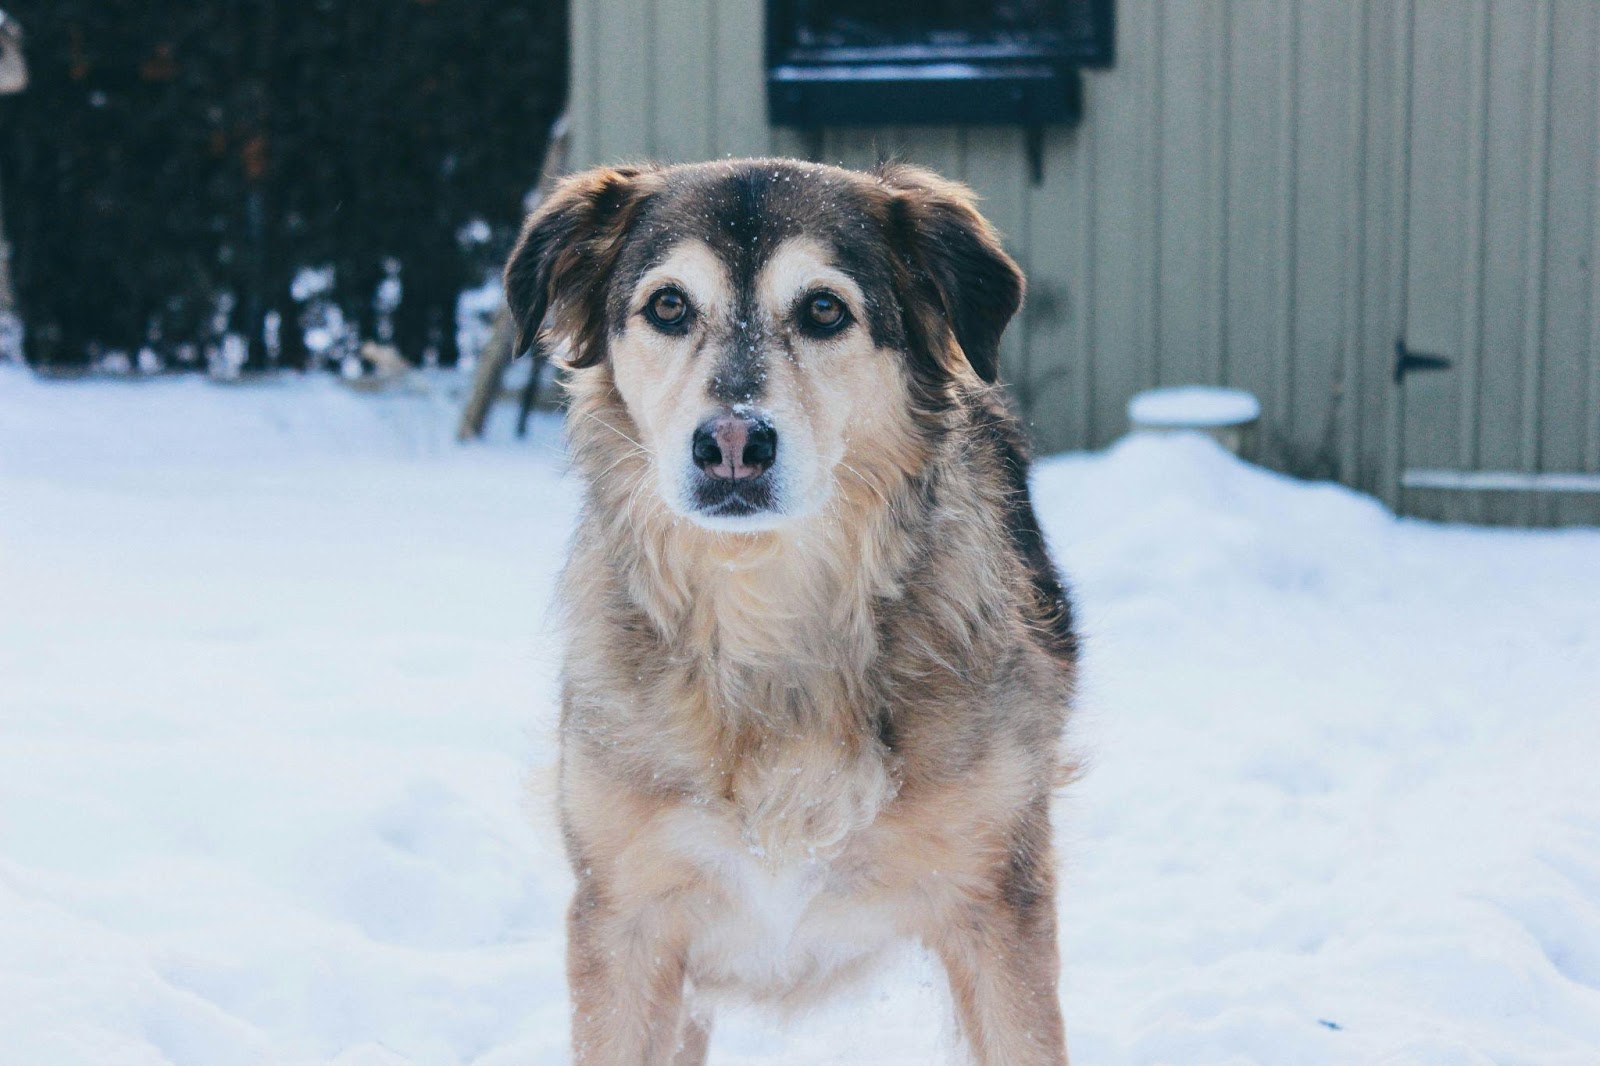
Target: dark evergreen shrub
{"x": 173, "y": 165}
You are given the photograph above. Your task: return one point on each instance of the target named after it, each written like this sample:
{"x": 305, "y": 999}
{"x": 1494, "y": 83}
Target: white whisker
{"x": 624, "y": 457}
{"x": 594, "y": 417}
{"x": 861, "y": 478}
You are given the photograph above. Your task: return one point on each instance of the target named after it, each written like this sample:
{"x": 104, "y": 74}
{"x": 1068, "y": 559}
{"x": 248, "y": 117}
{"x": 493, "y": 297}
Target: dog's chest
{"x": 769, "y": 925}
{"x": 773, "y": 740}
{"x": 803, "y": 795}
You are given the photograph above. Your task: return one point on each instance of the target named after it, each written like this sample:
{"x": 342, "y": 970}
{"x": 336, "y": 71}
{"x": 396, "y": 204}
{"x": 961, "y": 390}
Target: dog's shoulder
{"x": 999, "y": 435}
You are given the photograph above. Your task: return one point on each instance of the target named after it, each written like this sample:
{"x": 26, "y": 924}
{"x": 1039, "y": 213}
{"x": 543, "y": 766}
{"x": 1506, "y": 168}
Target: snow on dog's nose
{"x": 735, "y": 447}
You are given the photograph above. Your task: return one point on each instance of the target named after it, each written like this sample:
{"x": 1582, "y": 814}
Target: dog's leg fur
{"x": 626, "y": 973}
{"x": 1002, "y": 961}
{"x": 1002, "y": 969}
{"x": 694, "y": 1043}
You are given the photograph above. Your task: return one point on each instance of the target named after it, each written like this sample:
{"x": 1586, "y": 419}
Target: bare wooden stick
{"x": 489, "y": 375}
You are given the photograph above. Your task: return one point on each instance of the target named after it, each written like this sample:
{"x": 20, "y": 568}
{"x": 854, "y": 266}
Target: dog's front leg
{"x": 1001, "y": 957}
{"x": 695, "y": 1043}
{"x": 626, "y": 974}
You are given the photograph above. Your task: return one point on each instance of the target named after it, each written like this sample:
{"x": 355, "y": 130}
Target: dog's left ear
{"x": 955, "y": 256}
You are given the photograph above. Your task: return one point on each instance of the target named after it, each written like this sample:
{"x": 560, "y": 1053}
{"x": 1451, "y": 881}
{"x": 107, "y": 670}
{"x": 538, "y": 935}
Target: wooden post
{"x": 497, "y": 355}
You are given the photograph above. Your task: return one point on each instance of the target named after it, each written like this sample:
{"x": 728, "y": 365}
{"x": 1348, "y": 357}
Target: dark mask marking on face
{"x": 744, "y": 214}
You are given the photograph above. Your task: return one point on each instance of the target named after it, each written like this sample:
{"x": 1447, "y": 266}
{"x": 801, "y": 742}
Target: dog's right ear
{"x": 567, "y": 250}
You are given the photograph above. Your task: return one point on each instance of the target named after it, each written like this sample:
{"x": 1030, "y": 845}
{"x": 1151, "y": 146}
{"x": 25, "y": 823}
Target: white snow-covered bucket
{"x": 1229, "y": 416}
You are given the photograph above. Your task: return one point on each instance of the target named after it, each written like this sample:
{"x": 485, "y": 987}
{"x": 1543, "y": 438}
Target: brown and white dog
{"x": 819, "y": 661}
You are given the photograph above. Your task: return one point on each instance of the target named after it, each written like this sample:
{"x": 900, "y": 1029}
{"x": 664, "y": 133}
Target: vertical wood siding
{"x": 1239, "y": 207}
{"x": 1502, "y": 225}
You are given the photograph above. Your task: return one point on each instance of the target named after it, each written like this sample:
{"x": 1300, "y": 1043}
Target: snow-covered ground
{"x": 276, "y": 705}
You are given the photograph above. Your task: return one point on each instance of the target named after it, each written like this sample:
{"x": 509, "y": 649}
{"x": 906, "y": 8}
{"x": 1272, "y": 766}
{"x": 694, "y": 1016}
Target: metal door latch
{"x": 1405, "y": 361}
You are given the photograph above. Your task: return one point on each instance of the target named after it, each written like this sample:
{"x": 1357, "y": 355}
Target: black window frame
{"x": 912, "y": 82}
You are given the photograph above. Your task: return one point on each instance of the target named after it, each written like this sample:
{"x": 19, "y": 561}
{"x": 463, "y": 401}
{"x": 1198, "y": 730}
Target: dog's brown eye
{"x": 668, "y": 308}
{"x": 825, "y": 311}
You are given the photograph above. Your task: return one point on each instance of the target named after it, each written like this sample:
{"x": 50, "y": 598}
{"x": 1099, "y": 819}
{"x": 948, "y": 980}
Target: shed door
{"x": 1499, "y": 363}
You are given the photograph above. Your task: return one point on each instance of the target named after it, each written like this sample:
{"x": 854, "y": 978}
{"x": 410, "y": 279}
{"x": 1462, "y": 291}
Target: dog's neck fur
{"x": 770, "y": 639}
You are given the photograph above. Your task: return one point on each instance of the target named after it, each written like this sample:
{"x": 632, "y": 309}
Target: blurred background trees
{"x": 268, "y": 182}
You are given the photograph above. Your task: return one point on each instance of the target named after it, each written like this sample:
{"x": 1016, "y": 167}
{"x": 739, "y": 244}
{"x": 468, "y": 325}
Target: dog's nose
{"x": 735, "y": 447}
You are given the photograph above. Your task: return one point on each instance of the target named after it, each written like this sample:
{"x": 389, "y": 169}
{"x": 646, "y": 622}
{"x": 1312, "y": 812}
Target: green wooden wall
{"x": 1237, "y": 206}
{"x": 1502, "y": 201}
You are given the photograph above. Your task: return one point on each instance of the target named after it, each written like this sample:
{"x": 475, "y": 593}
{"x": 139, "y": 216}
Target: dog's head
{"x": 770, "y": 327}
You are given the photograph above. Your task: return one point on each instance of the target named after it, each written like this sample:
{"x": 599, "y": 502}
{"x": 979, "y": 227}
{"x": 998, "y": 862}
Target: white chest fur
{"x": 772, "y": 926}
